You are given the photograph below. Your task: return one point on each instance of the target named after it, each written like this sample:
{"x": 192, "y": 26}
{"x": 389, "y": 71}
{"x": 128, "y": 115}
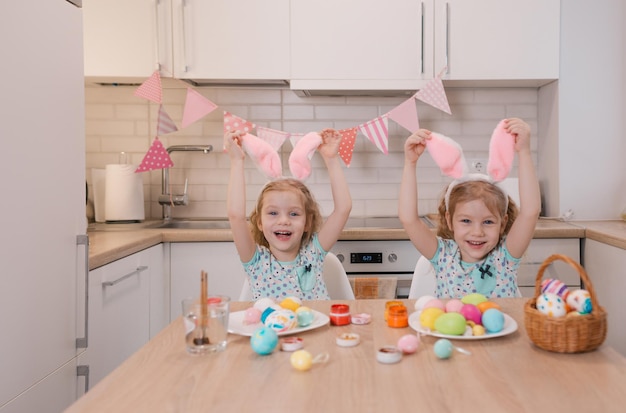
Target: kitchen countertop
{"x": 506, "y": 373}
{"x": 109, "y": 242}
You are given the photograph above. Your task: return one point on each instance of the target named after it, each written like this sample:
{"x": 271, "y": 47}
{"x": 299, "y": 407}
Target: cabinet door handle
{"x": 447, "y": 37}
{"x": 422, "y": 51}
{"x": 156, "y": 34}
{"x": 183, "y": 4}
{"x": 83, "y": 239}
{"x": 83, "y": 371}
{"x": 122, "y": 278}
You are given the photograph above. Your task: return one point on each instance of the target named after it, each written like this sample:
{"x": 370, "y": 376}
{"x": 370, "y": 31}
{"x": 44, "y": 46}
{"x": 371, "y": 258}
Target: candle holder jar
{"x": 398, "y": 316}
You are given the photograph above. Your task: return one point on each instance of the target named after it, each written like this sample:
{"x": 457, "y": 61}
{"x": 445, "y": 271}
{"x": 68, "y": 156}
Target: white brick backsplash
{"x": 117, "y": 121}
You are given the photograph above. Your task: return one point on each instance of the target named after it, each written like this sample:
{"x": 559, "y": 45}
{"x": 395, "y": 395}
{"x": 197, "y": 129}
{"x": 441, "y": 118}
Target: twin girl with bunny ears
{"x": 481, "y": 236}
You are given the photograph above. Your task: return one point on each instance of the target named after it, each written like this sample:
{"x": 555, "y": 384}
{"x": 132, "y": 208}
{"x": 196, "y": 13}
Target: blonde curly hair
{"x": 312, "y": 211}
{"x": 494, "y": 198}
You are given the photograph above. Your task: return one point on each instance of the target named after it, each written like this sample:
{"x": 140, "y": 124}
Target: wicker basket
{"x": 565, "y": 334}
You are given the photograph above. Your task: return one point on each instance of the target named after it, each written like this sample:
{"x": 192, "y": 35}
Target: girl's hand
{"x": 330, "y": 143}
{"x": 415, "y": 145}
{"x": 232, "y": 144}
{"x": 521, "y": 131}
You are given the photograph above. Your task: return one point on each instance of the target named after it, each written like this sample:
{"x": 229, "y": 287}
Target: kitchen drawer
{"x": 537, "y": 252}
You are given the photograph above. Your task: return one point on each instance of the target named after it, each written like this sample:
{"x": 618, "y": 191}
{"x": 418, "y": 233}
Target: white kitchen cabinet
{"x": 219, "y": 259}
{"x": 120, "y": 310}
{"x": 497, "y": 39}
{"x": 236, "y": 39}
{"x": 401, "y": 44}
{"x": 43, "y": 142}
{"x": 537, "y": 252}
{"x": 127, "y": 40}
{"x": 605, "y": 265}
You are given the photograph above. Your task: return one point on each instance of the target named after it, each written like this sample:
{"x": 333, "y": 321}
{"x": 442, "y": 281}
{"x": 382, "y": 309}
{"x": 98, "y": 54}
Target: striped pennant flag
{"x": 377, "y": 132}
{"x": 274, "y": 137}
{"x": 166, "y": 124}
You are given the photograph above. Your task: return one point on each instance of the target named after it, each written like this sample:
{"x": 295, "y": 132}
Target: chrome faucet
{"x": 166, "y": 199}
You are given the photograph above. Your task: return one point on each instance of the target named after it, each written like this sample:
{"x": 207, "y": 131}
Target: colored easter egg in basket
{"x": 580, "y": 300}
{"x": 551, "y": 305}
{"x": 558, "y": 287}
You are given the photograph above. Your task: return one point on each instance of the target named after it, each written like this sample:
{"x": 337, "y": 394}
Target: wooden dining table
{"x": 502, "y": 374}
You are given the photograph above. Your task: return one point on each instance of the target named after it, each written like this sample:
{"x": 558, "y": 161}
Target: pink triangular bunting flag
{"x": 233, "y": 123}
{"x": 274, "y": 137}
{"x": 156, "y": 158}
{"x": 377, "y": 132}
{"x": 434, "y": 94}
{"x": 406, "y": 115}
{"x": 196, "y": 107}
{"x": 151, "y": 88}
{"x": 346, "y": 147}
{"x": 294, "y": 138}
{"x": 166, "y": 124}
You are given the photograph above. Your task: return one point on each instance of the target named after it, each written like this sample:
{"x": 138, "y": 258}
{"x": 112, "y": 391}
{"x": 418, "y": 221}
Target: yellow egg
{"x": 301, "y": 360}
{"x": 290, "y": 303}
{"x": 428, "y": 317}
{"x": 478, "y": 330}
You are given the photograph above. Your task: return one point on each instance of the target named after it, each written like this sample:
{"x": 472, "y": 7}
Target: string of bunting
{"x": 197, "y": 106}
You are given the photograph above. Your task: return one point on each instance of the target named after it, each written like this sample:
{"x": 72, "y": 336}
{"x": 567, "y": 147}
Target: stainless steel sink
{"x": 195, "y": 224}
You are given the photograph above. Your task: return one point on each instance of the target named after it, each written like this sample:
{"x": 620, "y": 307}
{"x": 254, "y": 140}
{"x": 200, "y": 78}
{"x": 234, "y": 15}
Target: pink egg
{"x": 471, "y": 313}
{"x": 252, "y": 316}
{"x": 454, "y": 306}
{"x": 409, "y": 343}
{"x": 435, "y": 302}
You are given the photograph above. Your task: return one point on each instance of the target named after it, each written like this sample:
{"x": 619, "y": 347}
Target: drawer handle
{"x": 130, "y": 274}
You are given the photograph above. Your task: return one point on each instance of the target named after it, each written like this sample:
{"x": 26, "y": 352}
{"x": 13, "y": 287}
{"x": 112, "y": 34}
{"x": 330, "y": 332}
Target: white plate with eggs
{"x": 236, "y": 324}
{"x": 510, "y": 326}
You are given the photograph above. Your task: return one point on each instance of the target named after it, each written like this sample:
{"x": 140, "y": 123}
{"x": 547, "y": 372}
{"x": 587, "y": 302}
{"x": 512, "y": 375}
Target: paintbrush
{"x": 204, "y": 312}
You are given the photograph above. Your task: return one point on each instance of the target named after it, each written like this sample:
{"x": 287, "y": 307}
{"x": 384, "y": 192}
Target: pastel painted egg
{"x": 436, "y": 303}
{"x": 264, "y": 340}
{"x": 478, "y": 330}
{"x": 551, "y": 285}
{"x": 291, "y": 303}
{"x": 471, "y": 313}
{"x": 252, "y": 315}
{"x": 443, "y": 348}
{"x": 473, "y": 298}
{"x": 419, "y": 303}
{"x": 486, "y": 305}
{"x": 454, "y": 305}
{"x": 493, "y": 320}
{"x": 304, "y": 316}
{"x": 281, "y": 320}
{"x": 580, "y": 300}
{"x": 263, "y": 303}
{"x": 301, "y": 360}
{"x": 551, "y": 305}
{"x": 409, "y": 343}
{"x": 452, "y": 324}
{"x": 266, "y": 313}
{"x": 428, "y": 317}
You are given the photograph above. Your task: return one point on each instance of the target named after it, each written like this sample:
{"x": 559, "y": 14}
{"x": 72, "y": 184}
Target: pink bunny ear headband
{"x": 448, "y": 155}
{"x": 268, "y": 161}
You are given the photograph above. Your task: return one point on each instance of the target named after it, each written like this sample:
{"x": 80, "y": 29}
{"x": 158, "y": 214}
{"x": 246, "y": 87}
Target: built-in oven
{"x": 379, "y": 259}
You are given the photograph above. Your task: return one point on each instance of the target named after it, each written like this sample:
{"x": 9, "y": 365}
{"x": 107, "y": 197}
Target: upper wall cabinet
{"x": 401, "y": 44}
{"x": 498, "y": 40}
{"x": 127, "y": 40}
{"x": 361, "y": 44}
{"x": 235, "y": 39}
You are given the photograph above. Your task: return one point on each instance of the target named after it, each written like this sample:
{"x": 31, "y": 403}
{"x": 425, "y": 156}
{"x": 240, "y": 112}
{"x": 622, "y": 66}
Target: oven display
{"x": 366, "y": 258}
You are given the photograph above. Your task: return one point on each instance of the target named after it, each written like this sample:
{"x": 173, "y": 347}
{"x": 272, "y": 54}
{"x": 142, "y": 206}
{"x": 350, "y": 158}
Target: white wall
{"x": 118, "y": 121}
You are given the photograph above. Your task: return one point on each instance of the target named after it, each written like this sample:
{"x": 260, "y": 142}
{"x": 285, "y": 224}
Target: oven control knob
{"x": 340, "y": 257}
{"x": 392, "y": 257}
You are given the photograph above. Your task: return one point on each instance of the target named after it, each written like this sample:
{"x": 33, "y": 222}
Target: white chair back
{"x": 335, "y": 278}
{"x": 424, "y": 280}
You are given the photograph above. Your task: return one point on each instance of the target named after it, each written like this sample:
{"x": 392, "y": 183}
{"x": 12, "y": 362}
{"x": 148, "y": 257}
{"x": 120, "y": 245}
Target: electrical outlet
{"x": 478, "y": 166}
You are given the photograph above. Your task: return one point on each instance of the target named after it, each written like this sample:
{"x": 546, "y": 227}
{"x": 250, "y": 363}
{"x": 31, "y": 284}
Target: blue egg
{"x": 493, "y": 320}
{"x": 264, "y": 340}
{"x": 443, "y": 348}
